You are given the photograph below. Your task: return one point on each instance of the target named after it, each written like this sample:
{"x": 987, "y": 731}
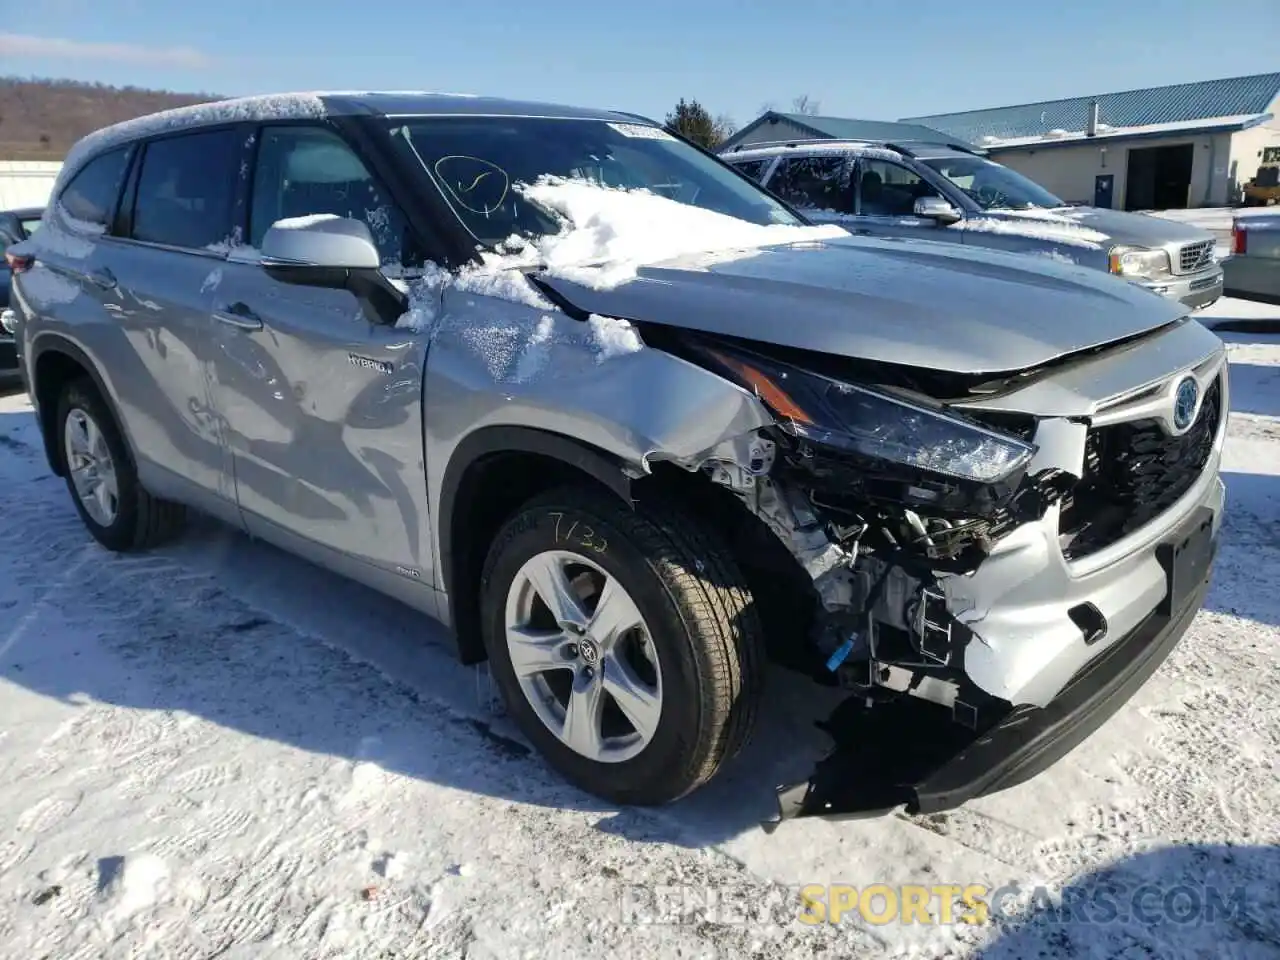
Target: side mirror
{"x": 936, "y": 209}
{"x": 335, "y": 252}
{"x": 323, "y": 241}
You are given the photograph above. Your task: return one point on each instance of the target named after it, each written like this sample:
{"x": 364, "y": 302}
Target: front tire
{"x": 101, "y": 477}
{"x": 625, "y": 643}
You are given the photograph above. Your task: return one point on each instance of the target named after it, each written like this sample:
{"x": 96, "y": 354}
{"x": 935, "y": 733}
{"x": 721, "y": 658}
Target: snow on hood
{"x": 608, "y": 235}
{"x": 939, "y": 306}
{"x": 1036, "y": 225}
{"x": 610, "y": 232}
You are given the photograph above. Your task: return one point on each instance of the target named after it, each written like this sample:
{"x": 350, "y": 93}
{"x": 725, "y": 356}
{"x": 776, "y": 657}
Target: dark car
{"x": 15, "y": 226}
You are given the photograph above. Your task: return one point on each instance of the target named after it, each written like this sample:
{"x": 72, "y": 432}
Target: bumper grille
{"x": 1195, "y": 256}
{"x": 1134, "y": 472}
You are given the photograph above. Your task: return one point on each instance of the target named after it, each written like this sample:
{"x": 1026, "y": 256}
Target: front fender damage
{"x": 903, "y": 599}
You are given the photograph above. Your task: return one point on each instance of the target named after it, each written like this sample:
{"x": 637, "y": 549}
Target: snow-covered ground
{"x": 217, "y": 750}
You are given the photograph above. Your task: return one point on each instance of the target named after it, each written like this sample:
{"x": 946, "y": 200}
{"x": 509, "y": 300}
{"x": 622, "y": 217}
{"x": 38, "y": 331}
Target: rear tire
{"x": 101, "y": 476}
{"x": 690, "y": 615}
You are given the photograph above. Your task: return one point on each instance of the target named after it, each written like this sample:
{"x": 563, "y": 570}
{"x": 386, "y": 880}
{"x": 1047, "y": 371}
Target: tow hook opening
{"x": 1092, "y": 624}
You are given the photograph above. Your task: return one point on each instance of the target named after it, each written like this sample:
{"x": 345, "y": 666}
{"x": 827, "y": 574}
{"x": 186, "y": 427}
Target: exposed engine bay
{"x": 881, "y": 521}
{"x": 937, "y": 537}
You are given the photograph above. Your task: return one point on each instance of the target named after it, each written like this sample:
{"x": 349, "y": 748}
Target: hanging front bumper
{"x": 910, "y": 752}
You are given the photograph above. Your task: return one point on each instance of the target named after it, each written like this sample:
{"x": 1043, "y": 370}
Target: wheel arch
{"x": 491, "y": 472}
{"x": 55, "y": 360}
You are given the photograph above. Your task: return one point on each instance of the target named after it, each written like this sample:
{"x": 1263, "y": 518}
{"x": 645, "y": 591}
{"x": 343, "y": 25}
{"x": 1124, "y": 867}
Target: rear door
{"x": 156, "y": 279}
{"x": 322, "y": 401}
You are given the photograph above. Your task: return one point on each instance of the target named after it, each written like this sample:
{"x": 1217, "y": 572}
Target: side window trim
{"x": 122, "y": 222}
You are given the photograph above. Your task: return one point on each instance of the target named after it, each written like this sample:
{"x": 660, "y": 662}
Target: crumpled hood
{"x": 938, "y": 306}
{"x": 1137, "y": 229}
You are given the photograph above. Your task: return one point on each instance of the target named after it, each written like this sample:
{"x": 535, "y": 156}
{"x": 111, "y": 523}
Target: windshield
{"x": 480, "y": 164}
{"x": 1268, "y": 177}
{"x": 992, "y": 186}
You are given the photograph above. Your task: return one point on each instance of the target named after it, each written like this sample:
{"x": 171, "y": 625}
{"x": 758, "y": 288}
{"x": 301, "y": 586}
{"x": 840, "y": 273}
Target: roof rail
{"x": 795, "y": 142}
{"x": 903, "y": 147}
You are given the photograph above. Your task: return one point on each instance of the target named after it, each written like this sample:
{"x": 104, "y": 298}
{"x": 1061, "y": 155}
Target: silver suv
{"x": 947, "y": 192}
{"x": 631, "y": 427}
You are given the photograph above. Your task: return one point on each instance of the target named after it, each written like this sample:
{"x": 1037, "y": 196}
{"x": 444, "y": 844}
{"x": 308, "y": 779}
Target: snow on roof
{"x": 1259, "y": 218}
{"x": 1106, "y": 132}
{"x": 803, "y": 147}
{"x": 276, "y": 106}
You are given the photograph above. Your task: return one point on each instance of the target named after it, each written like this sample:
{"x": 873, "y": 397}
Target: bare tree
{"x": 724, "y": 127}
{"x": 805, "y": 104}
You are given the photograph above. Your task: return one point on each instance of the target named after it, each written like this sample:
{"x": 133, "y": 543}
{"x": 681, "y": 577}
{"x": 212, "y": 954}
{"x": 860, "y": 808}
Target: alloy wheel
{"x": 583, "y": 656}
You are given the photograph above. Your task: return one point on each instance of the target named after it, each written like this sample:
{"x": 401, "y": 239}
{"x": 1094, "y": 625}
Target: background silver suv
{"x": 944, "y": 192}
{"x": 974, "y": 488}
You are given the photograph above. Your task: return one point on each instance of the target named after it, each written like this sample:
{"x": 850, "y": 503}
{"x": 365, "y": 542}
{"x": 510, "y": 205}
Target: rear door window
{"x": 186, "y": 189}
{"x": 814, "y": 183}
{"x": 90, "y": 197}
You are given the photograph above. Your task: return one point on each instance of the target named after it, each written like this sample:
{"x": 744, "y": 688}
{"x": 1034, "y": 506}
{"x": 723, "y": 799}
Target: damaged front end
{"x": 892, "y": 502}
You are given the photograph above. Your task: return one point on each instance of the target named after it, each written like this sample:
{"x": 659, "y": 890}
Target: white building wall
{"x": 26, "y": 183}
{"x": 1247, "y": 146}
{"x": 1069, "y": 171}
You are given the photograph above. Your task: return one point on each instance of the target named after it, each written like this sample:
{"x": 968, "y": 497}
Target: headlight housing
{"x": 1139, "y": 262}
{"x": 876, "y": 425}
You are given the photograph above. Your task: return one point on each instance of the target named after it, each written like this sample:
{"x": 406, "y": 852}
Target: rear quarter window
{"x": 90, "y": 197}
{"x": 755, "y": 169}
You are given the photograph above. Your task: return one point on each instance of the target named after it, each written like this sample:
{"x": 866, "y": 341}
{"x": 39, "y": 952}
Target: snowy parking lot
{"x": 216, "y": 750}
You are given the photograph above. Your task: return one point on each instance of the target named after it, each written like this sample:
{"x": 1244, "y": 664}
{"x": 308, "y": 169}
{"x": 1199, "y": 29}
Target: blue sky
{"x": 881, "y": 59}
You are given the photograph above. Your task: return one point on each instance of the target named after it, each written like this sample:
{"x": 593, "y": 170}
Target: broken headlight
{"x": 875, "y": 424}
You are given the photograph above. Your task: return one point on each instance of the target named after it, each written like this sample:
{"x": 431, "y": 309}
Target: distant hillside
{"x": 40, "y": 119}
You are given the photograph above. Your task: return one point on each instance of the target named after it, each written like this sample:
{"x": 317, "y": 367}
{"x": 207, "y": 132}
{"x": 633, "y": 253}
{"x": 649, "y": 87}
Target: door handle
{"x": 103, "y": 279}
{"x": 239, "y": 316}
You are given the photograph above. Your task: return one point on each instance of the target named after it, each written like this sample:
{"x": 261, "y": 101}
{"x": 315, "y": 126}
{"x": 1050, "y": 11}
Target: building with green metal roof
{"x": 774, "y": 127}
{"x": 1184, "y": 145}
